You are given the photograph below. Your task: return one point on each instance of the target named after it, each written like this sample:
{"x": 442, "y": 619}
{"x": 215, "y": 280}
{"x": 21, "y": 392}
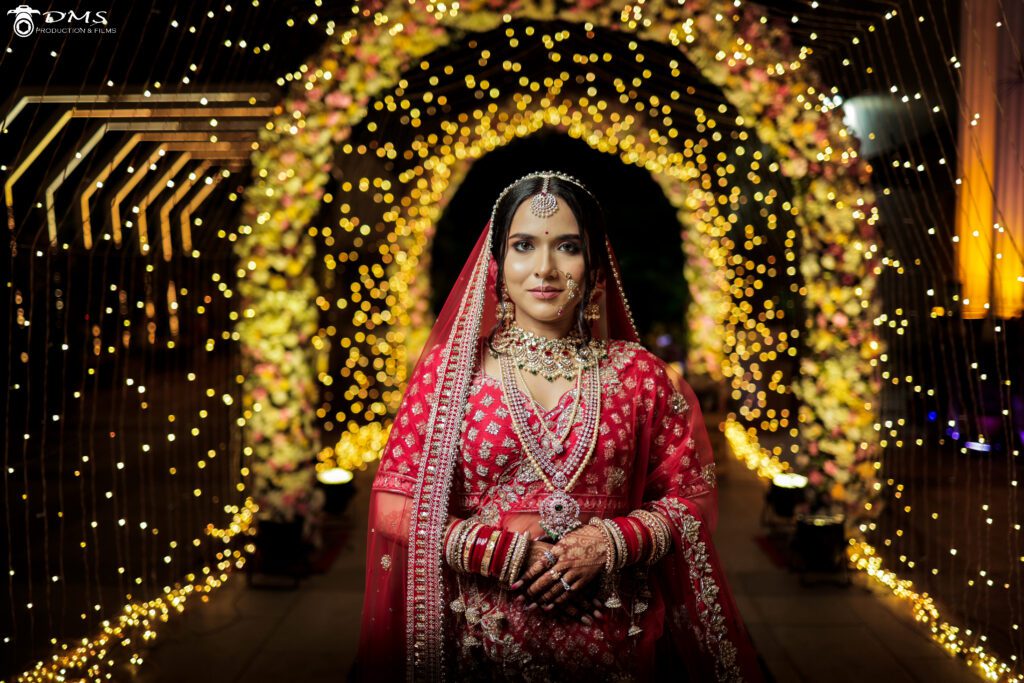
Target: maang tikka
{"x": 545, "y": 204}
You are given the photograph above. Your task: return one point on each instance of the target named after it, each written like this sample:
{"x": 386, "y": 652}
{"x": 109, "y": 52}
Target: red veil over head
{"x": 403, "y": 629}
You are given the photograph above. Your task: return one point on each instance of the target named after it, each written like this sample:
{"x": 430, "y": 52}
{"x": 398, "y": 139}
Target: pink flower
{"x": 338, "y": 100}
{"x": 840, "y": 319}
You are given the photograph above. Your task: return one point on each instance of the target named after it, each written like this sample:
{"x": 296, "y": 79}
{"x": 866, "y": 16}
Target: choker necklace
{"x": 559, "y": 512}
{"x": 548, "y": 358}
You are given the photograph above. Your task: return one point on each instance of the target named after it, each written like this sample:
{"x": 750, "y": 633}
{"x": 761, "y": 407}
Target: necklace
{"x": 559, "y": 512}
{"x": 552, "y": 441}
{"x": 548, "y": 358}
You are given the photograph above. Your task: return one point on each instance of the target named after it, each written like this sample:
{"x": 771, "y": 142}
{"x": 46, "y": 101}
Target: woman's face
{"x": 540, "y": 256}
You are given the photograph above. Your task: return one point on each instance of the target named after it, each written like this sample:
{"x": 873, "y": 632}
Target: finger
{"x": 533, "y": 571}
{"x": 557, "y": 590}
{"x": 543, "y": 582}
{"x": 553, "y": 592}
{"x": 537, "y": 568}
{"x": 566, "y": 594}
{"x": 540, "y": 585}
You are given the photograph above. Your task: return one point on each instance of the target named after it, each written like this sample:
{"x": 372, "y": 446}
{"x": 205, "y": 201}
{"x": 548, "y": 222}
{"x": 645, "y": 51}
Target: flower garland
{"x": 759, "y": 73}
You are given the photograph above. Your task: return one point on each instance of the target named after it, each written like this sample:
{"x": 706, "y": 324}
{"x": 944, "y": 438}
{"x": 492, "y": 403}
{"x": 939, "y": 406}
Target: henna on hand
{"x": 535, "y": 563}
{"x": 581, "y": 556}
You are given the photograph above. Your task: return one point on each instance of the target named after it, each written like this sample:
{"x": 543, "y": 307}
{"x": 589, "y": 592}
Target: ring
{"x": 555, "y": 575}
{"x": 565, "y": 584}
{"x": 550, "y": 558}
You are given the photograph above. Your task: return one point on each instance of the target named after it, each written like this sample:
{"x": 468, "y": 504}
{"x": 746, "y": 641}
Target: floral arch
{"x": 759, "y": 73}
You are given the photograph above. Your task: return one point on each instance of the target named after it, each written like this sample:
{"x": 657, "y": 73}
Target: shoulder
{"x": 647, "y": 375}
{"x": 629, "y": 356}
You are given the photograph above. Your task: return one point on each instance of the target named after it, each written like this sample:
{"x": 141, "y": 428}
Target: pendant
{"x": 554, "y": 446}
{"x": 559, "y": 514}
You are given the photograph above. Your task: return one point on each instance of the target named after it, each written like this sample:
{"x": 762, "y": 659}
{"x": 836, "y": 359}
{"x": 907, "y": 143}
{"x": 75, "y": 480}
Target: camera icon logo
{"x": 23, "y": 24}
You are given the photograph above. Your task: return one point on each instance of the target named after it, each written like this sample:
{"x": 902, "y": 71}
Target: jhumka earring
{"x": 593, "y": 311}
{"x": 506, "y": 310}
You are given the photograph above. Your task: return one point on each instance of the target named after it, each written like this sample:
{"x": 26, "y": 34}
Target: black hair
{"x": 590, "y": 218}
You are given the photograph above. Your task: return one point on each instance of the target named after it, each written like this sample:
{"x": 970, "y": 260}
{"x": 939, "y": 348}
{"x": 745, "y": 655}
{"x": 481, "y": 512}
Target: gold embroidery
{"x": 679, "y": 404}
{"x": 385, "y": 562}
{"x": 702, "y": 577}
{"x": 707, "y": 473}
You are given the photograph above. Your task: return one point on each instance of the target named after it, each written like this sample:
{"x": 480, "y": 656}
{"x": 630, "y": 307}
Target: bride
{"x": 544, "y": 505}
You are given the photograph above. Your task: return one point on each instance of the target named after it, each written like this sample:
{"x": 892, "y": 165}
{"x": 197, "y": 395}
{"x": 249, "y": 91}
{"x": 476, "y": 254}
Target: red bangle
{"x": 448, "y": 533}
{"x": 646, "y": 540}
{"x": 476, "y": 556}
{"x": 632, "y": 540}
{"x": 500, "y": 551}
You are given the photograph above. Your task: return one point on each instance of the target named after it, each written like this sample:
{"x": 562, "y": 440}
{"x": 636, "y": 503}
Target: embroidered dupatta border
{"x": 705, "y": 588}
{"x": 424, "y": 592}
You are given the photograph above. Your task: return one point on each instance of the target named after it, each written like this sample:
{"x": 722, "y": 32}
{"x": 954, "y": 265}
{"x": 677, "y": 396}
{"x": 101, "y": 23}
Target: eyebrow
{"x": 557, "y": 237}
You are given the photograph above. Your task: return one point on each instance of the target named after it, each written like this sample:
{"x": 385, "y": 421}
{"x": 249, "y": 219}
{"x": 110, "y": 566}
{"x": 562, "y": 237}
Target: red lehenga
{"x": 453, "y": 451}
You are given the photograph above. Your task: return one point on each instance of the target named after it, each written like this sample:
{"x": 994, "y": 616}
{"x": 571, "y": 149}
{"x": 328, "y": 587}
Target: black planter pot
{"x": 281, "y": 550}
{"x": 337, "y": 497}
{"x": 784, "y": 499}
{"x": 819, "y": 547}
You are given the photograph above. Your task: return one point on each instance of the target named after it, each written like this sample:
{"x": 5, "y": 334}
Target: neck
{"x": 555, "y": 329}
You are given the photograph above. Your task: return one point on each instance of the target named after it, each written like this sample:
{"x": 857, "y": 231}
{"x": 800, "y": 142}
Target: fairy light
{"x": 132, "y": 314}
{"x": 468, "y": 137}
{"x": 746, "y": 252}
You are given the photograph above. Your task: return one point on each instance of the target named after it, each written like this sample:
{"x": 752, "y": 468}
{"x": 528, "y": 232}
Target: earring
{"x": 574, "y": 292}
{"x": 506, "y": 310}
{"x": 593, "y": 311}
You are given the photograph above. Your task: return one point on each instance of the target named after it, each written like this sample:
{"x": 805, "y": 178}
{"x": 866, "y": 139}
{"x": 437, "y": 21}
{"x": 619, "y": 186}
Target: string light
{"x": 468, "y": 136}
{"x": 708, "y": 161}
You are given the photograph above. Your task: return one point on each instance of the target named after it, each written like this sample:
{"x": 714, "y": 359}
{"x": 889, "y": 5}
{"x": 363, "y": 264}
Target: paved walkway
{"x": 823, "y": 633}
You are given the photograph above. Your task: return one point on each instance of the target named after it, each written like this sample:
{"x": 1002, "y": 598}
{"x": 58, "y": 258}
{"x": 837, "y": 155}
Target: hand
{"x": 580, "y": 557}
{"x": 534, "y": 558}
{"x": 586, "y": 608}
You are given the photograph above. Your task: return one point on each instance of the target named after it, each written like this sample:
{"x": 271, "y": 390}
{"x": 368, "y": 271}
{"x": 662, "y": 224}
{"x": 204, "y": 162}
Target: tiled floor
{"x": 822, "y": 633}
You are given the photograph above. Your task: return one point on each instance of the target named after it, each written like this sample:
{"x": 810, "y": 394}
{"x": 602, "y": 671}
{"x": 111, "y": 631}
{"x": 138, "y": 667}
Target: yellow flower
{"x": 866, "y": 470}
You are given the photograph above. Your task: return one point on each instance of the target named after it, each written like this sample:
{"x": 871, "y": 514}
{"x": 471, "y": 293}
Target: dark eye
{"x": 570, "y": 247}
{"x": 521, "y": 243}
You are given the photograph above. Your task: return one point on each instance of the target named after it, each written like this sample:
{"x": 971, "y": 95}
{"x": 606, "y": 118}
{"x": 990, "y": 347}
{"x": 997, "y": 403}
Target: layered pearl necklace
{"x": 559, "y": 512}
